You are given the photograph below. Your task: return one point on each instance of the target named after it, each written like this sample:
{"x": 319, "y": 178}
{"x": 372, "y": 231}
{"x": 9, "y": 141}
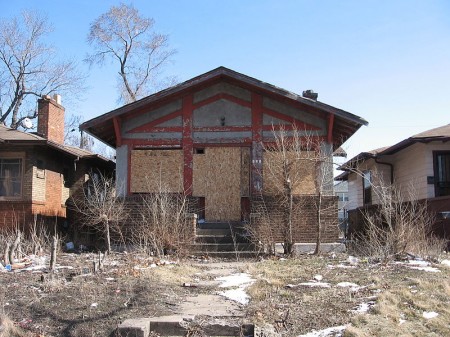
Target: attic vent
{"x": 310, "y": 94}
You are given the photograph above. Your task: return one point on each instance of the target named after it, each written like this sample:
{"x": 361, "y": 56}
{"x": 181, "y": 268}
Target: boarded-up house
{"x": 418, "y": 167}
{"x": 204, "y": 138}
{"x": 38, "y": 173}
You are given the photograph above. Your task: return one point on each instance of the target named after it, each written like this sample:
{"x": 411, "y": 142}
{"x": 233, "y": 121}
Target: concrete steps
{"x": 223, "y": 240}
{"x": 177, "y": 325}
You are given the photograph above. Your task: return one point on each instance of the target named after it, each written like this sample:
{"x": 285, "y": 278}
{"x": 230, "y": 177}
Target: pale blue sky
{"x": 386, "y": 61}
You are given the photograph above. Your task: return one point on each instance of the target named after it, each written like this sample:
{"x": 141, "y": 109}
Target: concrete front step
{"x": 223, "y": 247}
{"x": 232, "y": 255}
{"x": 221, "y": 239}
{"x": 178, "y": 325}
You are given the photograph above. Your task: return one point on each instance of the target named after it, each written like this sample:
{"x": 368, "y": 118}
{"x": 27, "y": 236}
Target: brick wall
{"x": 268, "y": 219}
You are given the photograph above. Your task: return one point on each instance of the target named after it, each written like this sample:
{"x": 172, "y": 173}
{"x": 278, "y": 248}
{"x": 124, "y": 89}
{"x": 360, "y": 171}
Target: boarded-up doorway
{"x": 217, "y": 178}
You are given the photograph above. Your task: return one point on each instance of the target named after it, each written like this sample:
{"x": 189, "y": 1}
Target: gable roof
{"x": 441, "y": 133}
{"x": 15, "y": 137}
{"x": 102, "y": 127}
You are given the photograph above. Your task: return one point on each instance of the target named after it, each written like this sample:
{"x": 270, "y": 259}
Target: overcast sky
{"x": 386, "y": 61}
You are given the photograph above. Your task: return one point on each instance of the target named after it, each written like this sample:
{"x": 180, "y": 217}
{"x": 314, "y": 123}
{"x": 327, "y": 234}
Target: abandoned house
{"x": 418, "y": 167}
{"x": 205, "y": 137}
{"x": 38, "y": 173}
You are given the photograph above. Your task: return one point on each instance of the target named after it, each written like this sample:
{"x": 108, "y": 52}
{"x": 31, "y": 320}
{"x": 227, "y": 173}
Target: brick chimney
{"x": 51, "y": 118}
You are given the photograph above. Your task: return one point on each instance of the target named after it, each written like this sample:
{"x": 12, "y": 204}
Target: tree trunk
{"x": 53, "y": 253}
{"x": 108, "y": 238}
{"x": 319, "y": 225}
{"x": 12, "y": 252}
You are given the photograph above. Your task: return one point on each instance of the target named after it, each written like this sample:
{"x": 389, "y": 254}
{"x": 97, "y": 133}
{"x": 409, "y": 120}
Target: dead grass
{"x": 401, "y": 293}
{"x": 8, "y": 329}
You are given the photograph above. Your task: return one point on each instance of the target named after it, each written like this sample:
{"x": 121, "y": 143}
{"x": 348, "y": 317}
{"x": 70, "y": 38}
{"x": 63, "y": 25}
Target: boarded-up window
{"x": 300, "y": 168}
{"x": 156, "y": 171}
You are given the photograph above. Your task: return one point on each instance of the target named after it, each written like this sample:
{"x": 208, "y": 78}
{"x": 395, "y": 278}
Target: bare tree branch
{"x": 28, "y": 67}
{"x": 123, "y": 35}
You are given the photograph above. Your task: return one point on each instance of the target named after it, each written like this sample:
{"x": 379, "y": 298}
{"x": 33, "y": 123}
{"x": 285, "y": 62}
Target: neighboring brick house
{"x": 38, "y": 173}
{"x": 421, "y": 161}
{"x": 205, "y": 137}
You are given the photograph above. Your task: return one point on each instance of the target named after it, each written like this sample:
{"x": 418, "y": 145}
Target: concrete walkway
{"x": 212, "y": 313}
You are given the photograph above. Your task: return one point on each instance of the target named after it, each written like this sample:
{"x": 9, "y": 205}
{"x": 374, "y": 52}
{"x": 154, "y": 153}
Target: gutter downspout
{"x": 388, "y": 164}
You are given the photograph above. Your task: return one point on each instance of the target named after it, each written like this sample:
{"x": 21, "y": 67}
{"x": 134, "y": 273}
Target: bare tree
{"x": 296, "y": 165}
{"x": 100, "y": 207}
{"x": 29, "y": 69}
{"x": 126, "y": 37}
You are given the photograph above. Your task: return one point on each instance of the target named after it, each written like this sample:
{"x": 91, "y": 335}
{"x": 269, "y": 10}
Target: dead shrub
{"x": 165, "y": 224}
{"x": 399, "y": 225}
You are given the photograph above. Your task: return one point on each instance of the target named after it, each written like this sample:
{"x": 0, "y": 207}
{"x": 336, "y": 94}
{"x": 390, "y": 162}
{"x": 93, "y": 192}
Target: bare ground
{"x": 75, "y": 302}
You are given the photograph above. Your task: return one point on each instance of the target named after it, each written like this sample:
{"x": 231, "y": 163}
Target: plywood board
{"x": 217, "y": 177}
{"x": 301, "y": 170}
{"x": 156, "y": 170}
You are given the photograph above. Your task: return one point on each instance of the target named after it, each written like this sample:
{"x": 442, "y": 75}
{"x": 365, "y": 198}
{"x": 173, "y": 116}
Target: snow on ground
{"x": 420, "y": 264}
{"x": 364, "y": 307}
{"x": 429, "y": 314}
{"x": 315, "y": 284}
{"x": 239, "y": 282}
{"x": 352, "y": 286}
{"x": 446, "y": 263}
{"x": 336, "y": 331}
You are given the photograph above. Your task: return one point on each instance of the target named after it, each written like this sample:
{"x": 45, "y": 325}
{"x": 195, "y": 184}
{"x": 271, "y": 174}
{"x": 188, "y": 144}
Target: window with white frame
{"x": 367, "y": 187}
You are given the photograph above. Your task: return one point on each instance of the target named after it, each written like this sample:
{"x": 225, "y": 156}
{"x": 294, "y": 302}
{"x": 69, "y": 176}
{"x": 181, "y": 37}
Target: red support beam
{"x": 117, "y": 131}
{"x": 149, "y": 126}
{"x": 298, "y": 123}
{"x": 187, "y": 143}
{"x": 228, "y": 97}
{"x": 330, "y": 128}
{"x": 257, "y": 150}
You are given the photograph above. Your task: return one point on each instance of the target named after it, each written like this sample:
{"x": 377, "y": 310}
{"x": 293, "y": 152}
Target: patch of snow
{"x": 315, "y": 284}
{"x": 334, "y": 331}
{"x": 238, "y": 295}
{"x": 364, "y": 307}
{"x": 353, "y": 260}
{"x": 235, "y": 280}
{"x": 352, "y": 286}
{"x": 239, "y": 282}
{"x": 429, "y": 314}
{"x": 94, "y": 305}
{"x": 344, "y": 266}
{"x": 318, "y": 277}
{"x": 446, "y": 262}
{"x": 428, "y": 269}
{"x": 401, "y": 321}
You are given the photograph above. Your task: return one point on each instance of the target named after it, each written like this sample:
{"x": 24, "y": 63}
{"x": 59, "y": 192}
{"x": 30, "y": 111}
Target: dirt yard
{"x": 292, "y": 297}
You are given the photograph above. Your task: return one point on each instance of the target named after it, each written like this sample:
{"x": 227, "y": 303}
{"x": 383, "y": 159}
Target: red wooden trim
{"x": 152, "y": 142}
{"x": 187, "y": 143}
{"x": 130, "y": 148}
{"x": 226, "y": 96}
{"x": 256, "y": 154}
{"x": 257, "y": 115}
{"x": 247, "y": 143}
{"x": 222, "y": 128}
{"x": 167, "y": 129}
{"x": 149, "y": 126}
{"x": 117, "y": 131}
{"x": 330, "y": 128}
{"x": 298, "y": 123}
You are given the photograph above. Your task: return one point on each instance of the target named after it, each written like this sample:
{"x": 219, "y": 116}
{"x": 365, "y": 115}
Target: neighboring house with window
{"x": 38, "y": 173}
{"x": 421, "y": 161}
{"x": 341, "y": 191}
